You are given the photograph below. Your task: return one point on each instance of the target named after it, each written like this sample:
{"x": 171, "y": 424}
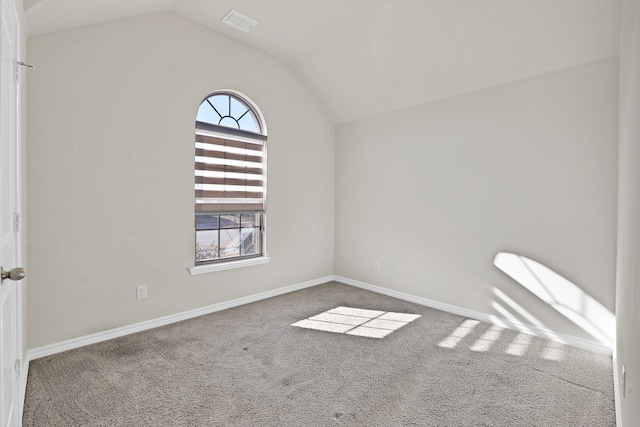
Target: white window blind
{"x": 229, "y": 174}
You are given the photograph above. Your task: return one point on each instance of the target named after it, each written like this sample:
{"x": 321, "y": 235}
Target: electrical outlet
{"x": 624, "y": 382}
{"x": 377, "y": 265}
{"x": 141, "y": 292}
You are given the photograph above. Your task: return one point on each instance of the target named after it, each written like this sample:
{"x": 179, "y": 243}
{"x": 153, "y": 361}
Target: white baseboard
{"x": 571, "y": 340}
{"x": 616, "y": 392}
{"x": 47, "y": 350}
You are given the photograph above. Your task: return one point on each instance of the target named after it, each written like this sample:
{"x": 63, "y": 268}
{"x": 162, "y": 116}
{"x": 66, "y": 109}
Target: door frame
{"x": 20, "y": 76}
{"x": 15, "y": 105}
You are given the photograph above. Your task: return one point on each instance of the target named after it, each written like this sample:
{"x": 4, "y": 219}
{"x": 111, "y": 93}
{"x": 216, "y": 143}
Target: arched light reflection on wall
{"x": 562, "y": 295}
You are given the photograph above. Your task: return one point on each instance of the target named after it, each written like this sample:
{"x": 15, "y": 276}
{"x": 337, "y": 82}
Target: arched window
{"x": 230, "y": 179}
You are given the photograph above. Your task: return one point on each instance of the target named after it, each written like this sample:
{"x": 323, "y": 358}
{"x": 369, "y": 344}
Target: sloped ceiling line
{"x": 366, "y": 57}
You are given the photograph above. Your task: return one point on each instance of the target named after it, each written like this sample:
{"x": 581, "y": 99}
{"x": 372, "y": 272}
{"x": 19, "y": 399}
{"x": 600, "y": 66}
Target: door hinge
{"x": 19, "y": 64}
{"x": 18, "y": 367}
{"x": 17, "y": 222}
{"x": 16, "y": 72}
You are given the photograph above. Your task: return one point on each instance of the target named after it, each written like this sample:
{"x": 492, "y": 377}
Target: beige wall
{"x": 628, "y": 280}
{"x": 434, "y": 192}
{"x": 110, "y": 147}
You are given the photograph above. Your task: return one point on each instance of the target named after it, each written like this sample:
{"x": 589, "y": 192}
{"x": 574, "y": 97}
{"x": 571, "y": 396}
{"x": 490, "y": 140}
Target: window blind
{"x": 229, "y": 174}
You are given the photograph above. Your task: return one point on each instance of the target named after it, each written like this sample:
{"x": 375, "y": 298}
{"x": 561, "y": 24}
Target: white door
{"x": 10, "y": 313}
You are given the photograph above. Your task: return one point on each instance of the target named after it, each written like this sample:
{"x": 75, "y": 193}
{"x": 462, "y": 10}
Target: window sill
{"x": 210, "y": 268}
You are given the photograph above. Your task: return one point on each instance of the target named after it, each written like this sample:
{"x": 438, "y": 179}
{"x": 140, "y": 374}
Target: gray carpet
{"x": 248, "y": 367}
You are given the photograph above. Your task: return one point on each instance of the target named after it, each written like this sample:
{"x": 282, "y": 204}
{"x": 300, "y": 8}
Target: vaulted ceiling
{"x": 366, "y": 57}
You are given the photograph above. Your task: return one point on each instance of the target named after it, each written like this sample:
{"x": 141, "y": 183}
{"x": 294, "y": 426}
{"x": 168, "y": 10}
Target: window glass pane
{"x": 206, "y": 245}
{"x": 221, "y": 103}
{"x": 230, "y": 221}
{"x": 229, "y": 122}
{"x": 206, "y": 114}
{"x": 251, "y": 220}
{"x": 230, "y": 243}
{"x": 249, "y": 123}
{"x": 250, "y": 241}
{"x": 237, "y": 108}
{"x": 206, "y": 222}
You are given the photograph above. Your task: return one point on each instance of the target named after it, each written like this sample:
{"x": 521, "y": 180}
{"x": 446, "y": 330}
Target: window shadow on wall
{"x": 560, "y": 294}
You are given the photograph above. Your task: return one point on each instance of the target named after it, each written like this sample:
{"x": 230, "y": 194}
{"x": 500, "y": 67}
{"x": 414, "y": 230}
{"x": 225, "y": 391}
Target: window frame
{"x": 241, "y": 135}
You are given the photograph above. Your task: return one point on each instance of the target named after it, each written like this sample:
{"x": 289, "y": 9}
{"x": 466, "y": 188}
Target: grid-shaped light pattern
{"x": 358, "y": 321}
{"x": 520, "y": 345}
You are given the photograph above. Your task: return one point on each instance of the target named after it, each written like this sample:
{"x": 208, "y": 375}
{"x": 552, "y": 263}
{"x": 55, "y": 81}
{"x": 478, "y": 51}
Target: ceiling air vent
{"x": 239, "y": 21}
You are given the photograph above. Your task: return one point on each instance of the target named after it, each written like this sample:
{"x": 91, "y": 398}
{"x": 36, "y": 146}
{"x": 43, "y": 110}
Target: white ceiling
{"x": 365, "y": 57}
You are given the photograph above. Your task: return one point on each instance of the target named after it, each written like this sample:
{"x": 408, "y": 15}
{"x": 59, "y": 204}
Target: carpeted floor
{"x": 248, "y": 366}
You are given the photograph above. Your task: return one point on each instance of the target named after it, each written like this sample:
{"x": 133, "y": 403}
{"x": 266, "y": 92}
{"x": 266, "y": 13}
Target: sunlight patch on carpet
{"x": 487, "y": 339}
{"x": 459, "y": 333}
{"x": 357, "y": 321}
{"x": 519, "y": 346}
